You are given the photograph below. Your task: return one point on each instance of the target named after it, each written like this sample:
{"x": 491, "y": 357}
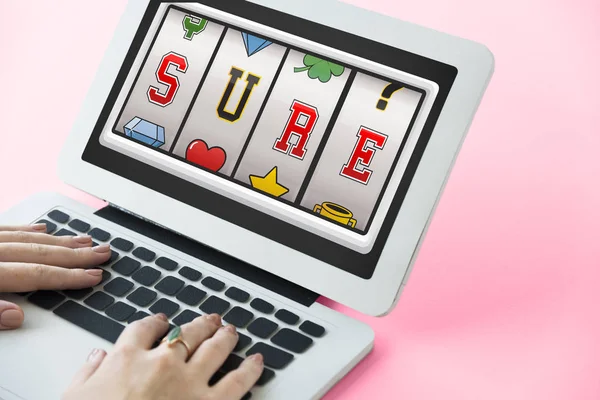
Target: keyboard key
{"x": 185, "y": 317}
{"x": 59, "y": 216}
{"x": 233, "y": 362}
{"x": 113, "y": 257}
{"x": 79, "y": 225}
{"x": 237, "y": 294}
{"x": 120, "y": 311}
{"x": 169, "y": 286}
{"x": 287, "y": 317}
{"x": 239, "y": 317}
{"x": 144, "y": 254}
{"x": 105, "y": 277}
{"x": 46, "y": 299}
{"x": 118, "y": 287}
{"x": 265, "y": 377}
{"x": 142, "y": 296}
{"x": 165, "y": 306}
{"x": 191, "y": 296}
{"x": 146, "y": 276}
{"x": 243, "y": 342}
{"x": 89, "y": 320}
{"x": 214, "y": 305}
{"x": 126, "y": 266}
{"x": 78, "y": 294}
{"x": 262, "y": 327}
{"x": 122, "y": 244}
{"x": 292, "y": 340}
{"x": 50, "y": 226}
{"x": 312, "y": 329}
{"x": 213, "y": 284}
{"x": 65, "y": 232}
{"x": 216, "y": 378}
{"x": 99, "y": 234}
{"x": 137, "y": 316}
{"x": 190, "y": 273}
{"x": 166, "y": 263}
{"x": 262, "y": 306}
{"x": 99, "y": 301}
{"x": 274, "y": 358}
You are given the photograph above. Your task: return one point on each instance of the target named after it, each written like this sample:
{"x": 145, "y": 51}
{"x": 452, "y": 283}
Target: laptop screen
{"x": 295, "y": 139}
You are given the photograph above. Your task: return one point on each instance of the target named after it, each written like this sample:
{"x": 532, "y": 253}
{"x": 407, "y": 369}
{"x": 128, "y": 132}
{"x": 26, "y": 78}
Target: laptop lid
{"x": 300, "y": 140}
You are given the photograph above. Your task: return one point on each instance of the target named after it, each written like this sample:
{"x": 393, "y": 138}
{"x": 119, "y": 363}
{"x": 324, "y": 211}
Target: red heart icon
{"x": 199, "y": 153}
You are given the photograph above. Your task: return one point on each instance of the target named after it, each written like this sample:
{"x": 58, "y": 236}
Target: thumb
{"x": 11, "y": 316}
{"x": 91, "y": 365}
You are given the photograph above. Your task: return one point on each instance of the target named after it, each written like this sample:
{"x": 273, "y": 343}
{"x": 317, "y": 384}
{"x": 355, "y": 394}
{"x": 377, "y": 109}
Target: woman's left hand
{"x": 32, "y": 260}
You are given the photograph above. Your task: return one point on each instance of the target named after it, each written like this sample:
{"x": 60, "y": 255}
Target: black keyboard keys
{"x": 105, "y": 277}
{"x": 213, "y": 284}
{"x": 78, "y": 294}
{"x": 89, "y": 320}
{"x": 262, "y": 327}
{"x": 265, "y": 377}
{"x": 46, "y": 299}
{"x": 237, "y": 294}
{"x": 287, "y": 317}
{"x": 292, "y": 340}
{"x": 120, "y": 311}
{"x": 137, "y": 316}
{"x": 50, "y": 226}
{"x": 312, "y": 329}
{"x": 142, "y": 296}
{"x": 191, "y": 296}
{"x": 166, "y": 263}
{"x": 243, "y": 342}
{"x": 144, "y": 254}
{"x": 214, "y": 305}
{"x": 185, "y": 317}
{"x": 113, "y": 257}
{"x": 126, "y": 266}
{"x": 190, "y": 274}
{"x": 99, "y": 234}
{"x": 262, "y": 306}
{"x": 118, "y": 287}
{"x": 239, "y": 317}
{"x": 122, "y": 244}
{"x": 146, "y": 276}
{"x": 99, "y": 301}
{"x": 274, "y": 357}
{"x": 165, "y": 306}
{"x": 79, "y": 225}
{"x": 169, "y": 286}
{"x": 65, "y": 232}
{"x": 58, "y": 216}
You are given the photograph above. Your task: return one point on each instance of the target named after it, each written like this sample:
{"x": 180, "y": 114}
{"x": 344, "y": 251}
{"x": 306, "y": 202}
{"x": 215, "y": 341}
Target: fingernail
{"x": 105, "y": 248}
{"x": 230, "y": 329}
{"x": 84, "y": 239}
{"x": 257, "y": 358}
{"x": 11, "y": 318}
{"x": 94, "y": 272}
{"x": 216, "y": 318}
{"x": 162, "y": 316}
{"x": 93, "y": 354}
{"x": 39, "y": 227}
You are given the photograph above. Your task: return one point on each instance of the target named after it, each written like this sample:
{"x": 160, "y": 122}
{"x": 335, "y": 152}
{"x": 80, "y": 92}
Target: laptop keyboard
{"x": 138, "y": 282}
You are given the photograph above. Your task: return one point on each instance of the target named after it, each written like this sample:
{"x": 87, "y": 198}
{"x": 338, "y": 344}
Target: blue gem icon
{"x": 145, "y": 132}
{"x": 254, "y": 44}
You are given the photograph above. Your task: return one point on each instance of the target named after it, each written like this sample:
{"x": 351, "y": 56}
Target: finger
{"x": 144, "y": 332}
{"x": 194, "y": 334}
{"x": 11, "y": 316}
{"x": 73, "y": 242}
{"x": 91, "y": 365}
{"x": 212, "y": 353}
{"x": 238, "y": 382}
{"x": 40, "y": 228}
{"x": 20, "y": 277}
{"x": 54, "y": 255}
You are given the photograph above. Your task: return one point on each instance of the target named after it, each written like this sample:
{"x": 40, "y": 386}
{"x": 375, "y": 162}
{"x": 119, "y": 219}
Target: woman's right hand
{"x": 136, "y": 371}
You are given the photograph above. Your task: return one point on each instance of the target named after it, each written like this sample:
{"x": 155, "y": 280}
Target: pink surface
{"x": 503, "y": 303}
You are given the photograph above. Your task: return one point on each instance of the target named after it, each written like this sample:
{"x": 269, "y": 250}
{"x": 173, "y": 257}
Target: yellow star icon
{"x": 269, "y": 184}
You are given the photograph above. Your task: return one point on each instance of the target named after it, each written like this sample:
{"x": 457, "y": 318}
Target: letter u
{"x": 251, "y": 82}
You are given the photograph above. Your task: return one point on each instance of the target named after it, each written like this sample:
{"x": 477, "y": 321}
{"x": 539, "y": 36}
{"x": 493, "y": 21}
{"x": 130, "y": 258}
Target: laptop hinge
{"x": 214, "y": 257}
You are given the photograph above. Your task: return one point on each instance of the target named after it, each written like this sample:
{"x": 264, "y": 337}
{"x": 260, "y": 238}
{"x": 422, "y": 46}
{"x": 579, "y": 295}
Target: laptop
{"x": 254, "y": 157}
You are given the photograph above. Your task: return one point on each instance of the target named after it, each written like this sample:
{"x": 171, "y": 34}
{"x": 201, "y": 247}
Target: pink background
{"x": 503, "y": 302}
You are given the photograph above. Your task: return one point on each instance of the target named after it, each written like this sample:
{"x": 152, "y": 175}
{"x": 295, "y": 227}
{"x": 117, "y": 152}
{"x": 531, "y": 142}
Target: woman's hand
{"x": 136, "y": 371}
{"x": 32, "y": 260}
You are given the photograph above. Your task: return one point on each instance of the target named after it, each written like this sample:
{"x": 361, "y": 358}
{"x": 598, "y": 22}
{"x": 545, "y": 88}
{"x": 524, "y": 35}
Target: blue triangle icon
{"x": 254, "y": 44}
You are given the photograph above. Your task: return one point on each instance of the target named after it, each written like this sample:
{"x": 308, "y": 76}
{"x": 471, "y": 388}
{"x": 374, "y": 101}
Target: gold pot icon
{"x": 336, "y": 213}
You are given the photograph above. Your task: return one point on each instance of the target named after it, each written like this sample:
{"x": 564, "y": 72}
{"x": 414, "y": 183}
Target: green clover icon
{"x": 320, "y": 69}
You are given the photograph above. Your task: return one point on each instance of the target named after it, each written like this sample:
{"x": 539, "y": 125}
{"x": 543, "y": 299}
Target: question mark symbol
{"x": 387, "y": 94}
